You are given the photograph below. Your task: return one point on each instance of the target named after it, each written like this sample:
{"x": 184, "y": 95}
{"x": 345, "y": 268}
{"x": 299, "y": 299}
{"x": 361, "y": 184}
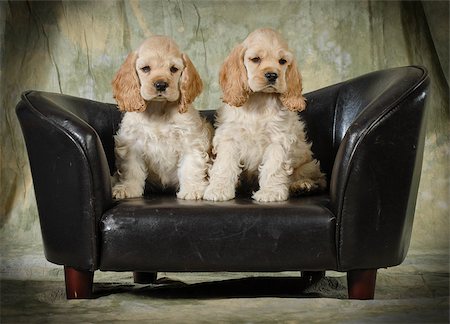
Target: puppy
{"x": 258, "y": 128}
{"x": 161, "y": 136}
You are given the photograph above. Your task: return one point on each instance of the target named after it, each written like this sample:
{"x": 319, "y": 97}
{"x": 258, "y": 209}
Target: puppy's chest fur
{"x": 255, "y": 126}
{"x": 159, "y": 142}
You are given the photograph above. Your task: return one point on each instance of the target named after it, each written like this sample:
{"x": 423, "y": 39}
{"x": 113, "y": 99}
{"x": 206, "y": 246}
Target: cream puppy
{"x": 162, "y": 138}
{"x": 258, "y": 128}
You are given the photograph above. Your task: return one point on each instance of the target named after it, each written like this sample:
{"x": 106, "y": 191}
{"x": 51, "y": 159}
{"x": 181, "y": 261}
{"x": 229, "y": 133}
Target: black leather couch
{"x": 368, "y": 134}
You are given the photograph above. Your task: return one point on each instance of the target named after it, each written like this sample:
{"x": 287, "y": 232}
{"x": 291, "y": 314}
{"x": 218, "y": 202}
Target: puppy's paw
{"x": 122, "y": 191}
{"x": 190, "y": 194}
{"x": 304, "y": 186}
{"x": 270, "y": 195}
{"x": 217, "y": 193}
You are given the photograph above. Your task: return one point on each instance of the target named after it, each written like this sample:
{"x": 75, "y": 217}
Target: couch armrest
{"x": 376, "y": 173}
{"x": 70, "y": 173}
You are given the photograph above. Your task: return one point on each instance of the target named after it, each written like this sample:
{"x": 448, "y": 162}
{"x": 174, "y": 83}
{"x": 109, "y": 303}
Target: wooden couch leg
{"x": 144, "y": 277}
{"x": 78, "y": 283}
{"x": 361, "y": 284}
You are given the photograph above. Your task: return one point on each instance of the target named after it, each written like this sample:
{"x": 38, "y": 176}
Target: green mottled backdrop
{"x": 76, "y": 47}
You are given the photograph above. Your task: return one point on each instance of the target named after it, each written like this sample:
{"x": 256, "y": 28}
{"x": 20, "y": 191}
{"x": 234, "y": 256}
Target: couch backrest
{"x": 330, "y": 111}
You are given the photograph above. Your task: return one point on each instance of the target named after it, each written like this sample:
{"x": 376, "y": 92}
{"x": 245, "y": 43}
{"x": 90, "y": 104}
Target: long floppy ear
{"x": 126, "y": 86}
{"x": 233, "y": 78}
{"x": 292, "y": 99}
{"x": 191, "y": 85}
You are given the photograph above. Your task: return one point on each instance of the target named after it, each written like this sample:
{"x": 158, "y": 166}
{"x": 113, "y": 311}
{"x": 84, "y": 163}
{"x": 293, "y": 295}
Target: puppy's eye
{"x": 145, "y": 69}
{"x": 282, "y": 61}
{"x": 255, "y": 59}
{"x": 174, "y": 69}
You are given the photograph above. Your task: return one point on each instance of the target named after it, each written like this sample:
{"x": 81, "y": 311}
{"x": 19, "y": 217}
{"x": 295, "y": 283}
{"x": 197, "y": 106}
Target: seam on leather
{"x": 335, "y": 115}
{"x": 335, "y": 149}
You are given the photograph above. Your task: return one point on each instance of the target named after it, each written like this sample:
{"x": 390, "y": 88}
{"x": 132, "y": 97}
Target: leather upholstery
{"x": 70, "y": 173}
{"x": 165, "y": 234}
{"x": 378, "y": 134}
{"x": 367, "y": 132}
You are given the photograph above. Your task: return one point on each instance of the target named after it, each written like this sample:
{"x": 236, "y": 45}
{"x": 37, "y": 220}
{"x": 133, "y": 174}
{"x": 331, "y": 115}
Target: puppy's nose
{"x": 161, "y": 85}
{"x": 271, "y": 77}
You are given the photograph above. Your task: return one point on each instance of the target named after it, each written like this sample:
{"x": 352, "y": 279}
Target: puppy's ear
{"x": 191, "y": 85}
{"x": 233, "y": 78}
{"x": 126, "y": 86}
{"x": 292, "y": 99}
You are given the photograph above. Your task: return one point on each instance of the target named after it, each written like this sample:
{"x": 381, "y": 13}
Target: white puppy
{"x": 258, "y": 130}
{"x": 161, "y": 137}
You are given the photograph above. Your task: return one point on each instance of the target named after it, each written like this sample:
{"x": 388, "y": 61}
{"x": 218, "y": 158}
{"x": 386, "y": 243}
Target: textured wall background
{"x": 76, "y": 47}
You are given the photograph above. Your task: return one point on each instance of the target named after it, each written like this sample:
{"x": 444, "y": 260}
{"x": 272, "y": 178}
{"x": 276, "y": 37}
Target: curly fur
{"x": 161, "y": 138}
{"x": 258, "y": 128}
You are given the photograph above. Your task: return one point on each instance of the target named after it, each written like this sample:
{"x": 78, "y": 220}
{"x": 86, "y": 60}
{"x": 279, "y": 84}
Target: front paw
{"x": 219, "y": 193}
{"x": 304, "y": 186}
{"x": 122, "y": 191}
{"x": 271, "y": 195}
{"x": 190, "y": 194}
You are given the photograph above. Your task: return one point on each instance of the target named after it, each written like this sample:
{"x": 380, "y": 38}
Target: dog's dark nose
{"x": 271, "y": 77}
{"x": 161, "y": 85}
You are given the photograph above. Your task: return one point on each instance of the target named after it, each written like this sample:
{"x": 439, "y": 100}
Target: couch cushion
{"x": 162, "y": 233}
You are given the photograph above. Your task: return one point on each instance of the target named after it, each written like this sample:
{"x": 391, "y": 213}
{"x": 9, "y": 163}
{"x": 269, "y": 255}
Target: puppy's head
{"x": 262, "y": 63}
{"x": 157, "y": 71}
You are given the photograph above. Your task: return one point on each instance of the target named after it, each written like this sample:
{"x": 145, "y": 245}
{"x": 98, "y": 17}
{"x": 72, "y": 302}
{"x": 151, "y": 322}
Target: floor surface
{"x": 32, "y": 291}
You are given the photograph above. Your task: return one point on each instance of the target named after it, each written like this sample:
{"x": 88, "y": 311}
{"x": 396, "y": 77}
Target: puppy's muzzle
{"x": 271, "y": 77}
{"x": 161, "y": 86}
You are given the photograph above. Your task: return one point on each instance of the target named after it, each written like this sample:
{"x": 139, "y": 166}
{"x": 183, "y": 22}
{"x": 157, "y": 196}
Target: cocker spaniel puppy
{"x": 161, "y": 138}
{"x": 258, "y": 128}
